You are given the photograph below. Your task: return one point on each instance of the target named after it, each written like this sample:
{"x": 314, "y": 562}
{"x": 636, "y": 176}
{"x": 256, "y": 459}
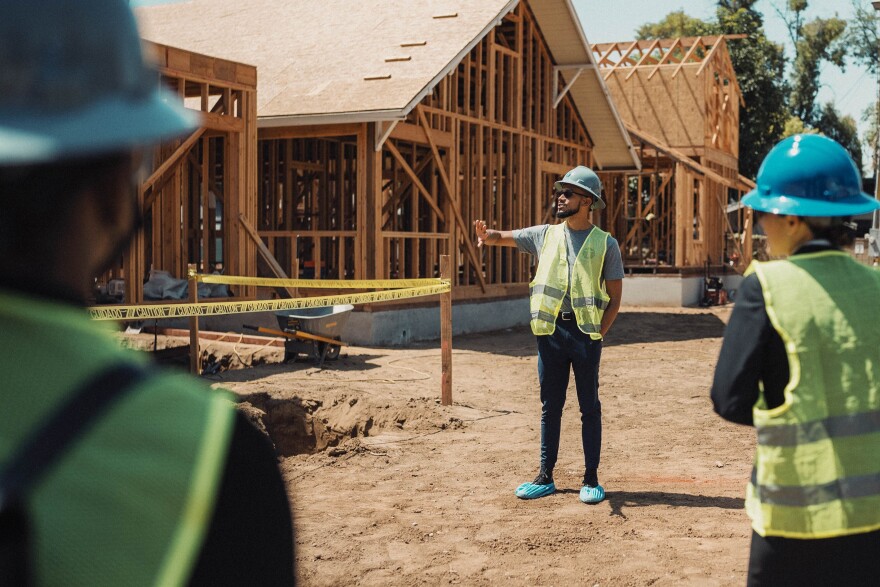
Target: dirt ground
{"x": 390, "y": 488}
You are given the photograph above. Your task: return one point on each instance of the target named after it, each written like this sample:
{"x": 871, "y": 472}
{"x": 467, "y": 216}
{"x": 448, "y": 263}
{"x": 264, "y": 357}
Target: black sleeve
{"x": 250, "y": 540}
{"x": 752, "y": 351}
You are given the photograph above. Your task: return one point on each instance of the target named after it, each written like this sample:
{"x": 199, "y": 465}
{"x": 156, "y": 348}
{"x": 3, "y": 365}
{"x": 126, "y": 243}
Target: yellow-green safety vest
{"x": 131, "y": 501}
{"x": 588, "y": 297}
{"x": 817, "y": 463}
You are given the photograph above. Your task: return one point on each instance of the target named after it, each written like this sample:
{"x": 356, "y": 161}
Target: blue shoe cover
{"x": 533, "y": 491}
{"x": 592, "y": 494}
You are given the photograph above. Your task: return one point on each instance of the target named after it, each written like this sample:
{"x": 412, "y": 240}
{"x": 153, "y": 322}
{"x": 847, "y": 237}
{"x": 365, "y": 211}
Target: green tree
{"x": 842, "y": 129}
{"x": 822, "y": 40}
{"x": 759, "y": 65}
{"x": 760, "y": 71}
{"x": 863, "y": 38}
{"x": 815, "y": 42}
{"x": 796, "y": 126}
{"x": 871, "y": 115}
{"x": 676, "y": 24}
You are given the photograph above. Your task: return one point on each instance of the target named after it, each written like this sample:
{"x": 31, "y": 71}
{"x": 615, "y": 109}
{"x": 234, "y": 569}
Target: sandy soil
{"x": 390, "y": 488}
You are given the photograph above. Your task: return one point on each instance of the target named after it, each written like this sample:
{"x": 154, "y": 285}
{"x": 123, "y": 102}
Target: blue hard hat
{"x": 586, "y": 179}
{"x": 809, "y": 175}
{"x": 73, "y": 82}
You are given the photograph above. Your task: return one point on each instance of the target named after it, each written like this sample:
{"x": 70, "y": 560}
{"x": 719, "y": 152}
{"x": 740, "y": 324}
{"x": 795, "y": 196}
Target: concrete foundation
{"x": 672, "y": 291}
{"x": 400, "y": 327}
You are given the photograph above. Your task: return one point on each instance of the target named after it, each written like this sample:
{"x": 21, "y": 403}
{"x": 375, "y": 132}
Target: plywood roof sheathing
{"x": 301, "y": 82}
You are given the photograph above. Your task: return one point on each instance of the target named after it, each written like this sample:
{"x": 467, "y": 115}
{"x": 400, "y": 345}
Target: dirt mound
{"x": 224, "y": 354}
{"x": 300, "y": 425}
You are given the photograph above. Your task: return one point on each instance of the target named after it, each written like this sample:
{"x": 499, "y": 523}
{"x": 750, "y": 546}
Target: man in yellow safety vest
{"x": 575, "y": 297}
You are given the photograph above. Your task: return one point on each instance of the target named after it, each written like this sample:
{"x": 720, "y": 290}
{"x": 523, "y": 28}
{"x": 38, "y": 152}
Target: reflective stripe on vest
{"x": 588, "y": 297}
{"x": 817, "y": 473}
{"x": 817, "y": 495}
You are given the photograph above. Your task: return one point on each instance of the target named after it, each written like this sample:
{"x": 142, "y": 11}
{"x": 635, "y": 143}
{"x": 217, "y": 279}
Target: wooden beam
{"x": 414, "y": 133}
{"x": 559, "y": 95}
{"x": 382, "y": 134}
{"x": 400, "y": 191}
{"x": 623, "y": 56}
{"x": 665, "y": 57}
{"x": 664, "y": 43}
{"x": 408, "y": 170}
{"x": 645, "y": 55}
{"x": 314, "y": 131}
{"x": 166, "y": 165}
{"x": 697, "y": 43}
{"x": 221, "y": 122}
{"x": 708, "y": 58}
{"x": 444, "y": 177}
{"x": 266, "y": 254}
{"x": 682, "y": 158}
{"x": 446, "y": 334}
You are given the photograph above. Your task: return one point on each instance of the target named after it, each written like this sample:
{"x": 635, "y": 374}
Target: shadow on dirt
{"x": 645, "y": 327}
{"x": 629, "y": 328}
{"x": 359, "y": 362}
{"x": 621, "y": 499}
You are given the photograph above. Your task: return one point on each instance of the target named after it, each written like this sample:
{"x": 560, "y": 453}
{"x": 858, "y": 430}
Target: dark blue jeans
{"x": 559, "y": 353}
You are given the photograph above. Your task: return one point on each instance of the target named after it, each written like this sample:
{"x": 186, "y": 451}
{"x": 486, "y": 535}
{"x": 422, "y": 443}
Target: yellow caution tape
{"x": 318, "y": 283}
{"x": 217, "y": 308}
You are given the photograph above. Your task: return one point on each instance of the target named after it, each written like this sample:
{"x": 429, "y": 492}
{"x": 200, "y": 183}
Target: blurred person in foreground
{"x": 800, "y": 362}
{"x": 170, "y": 486}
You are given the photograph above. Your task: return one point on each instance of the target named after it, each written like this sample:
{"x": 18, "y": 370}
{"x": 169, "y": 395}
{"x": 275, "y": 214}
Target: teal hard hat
{"x": 809, "y": 175}
{"x": 73, "y": 82}
{"x": 583, "y": 178}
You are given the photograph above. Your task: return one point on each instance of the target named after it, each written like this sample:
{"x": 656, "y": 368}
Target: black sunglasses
{"x": 567, "y": 193}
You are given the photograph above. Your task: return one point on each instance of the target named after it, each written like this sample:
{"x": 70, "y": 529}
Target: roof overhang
{"x": 331, "y": 118}
{"x": 612, "y": 147}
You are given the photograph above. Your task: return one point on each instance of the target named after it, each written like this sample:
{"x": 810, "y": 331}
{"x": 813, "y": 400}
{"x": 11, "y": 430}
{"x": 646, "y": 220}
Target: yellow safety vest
{"x": 131, "y": 501}
{"x": 588, "y": 297}
{"x": 817, "y": 463}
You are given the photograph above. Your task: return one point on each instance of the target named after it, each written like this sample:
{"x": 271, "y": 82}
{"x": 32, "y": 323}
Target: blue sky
{"x": 851, "y": 91}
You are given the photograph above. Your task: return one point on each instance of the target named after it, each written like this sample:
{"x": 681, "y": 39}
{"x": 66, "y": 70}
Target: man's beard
{"x": 566, "y": 213}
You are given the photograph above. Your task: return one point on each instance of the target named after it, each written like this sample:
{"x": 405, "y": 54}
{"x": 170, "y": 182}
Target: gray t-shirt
{"x": 530, "y": 240}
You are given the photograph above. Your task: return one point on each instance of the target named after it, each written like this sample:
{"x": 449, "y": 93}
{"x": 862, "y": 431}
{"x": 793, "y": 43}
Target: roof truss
{"x": 655, "y": 53}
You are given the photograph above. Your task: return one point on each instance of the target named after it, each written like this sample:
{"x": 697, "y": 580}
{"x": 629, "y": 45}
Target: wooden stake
{"x": 195, "y": 366}
{"x": 446, "y": 334}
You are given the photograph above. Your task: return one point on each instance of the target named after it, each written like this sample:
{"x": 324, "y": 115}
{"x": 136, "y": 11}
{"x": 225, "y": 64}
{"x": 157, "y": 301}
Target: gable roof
{"x": 335, "y": 61}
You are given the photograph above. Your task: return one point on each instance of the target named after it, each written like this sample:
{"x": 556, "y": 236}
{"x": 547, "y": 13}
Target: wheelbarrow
{"x": 312, "y": 332}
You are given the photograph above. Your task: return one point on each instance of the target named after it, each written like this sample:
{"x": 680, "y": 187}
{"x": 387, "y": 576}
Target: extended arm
{"x": 614, "y": 288}
{"x": 486, "y": 236}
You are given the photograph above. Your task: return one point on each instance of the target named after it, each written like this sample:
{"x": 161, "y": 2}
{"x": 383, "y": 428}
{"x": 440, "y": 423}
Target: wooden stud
{"x": 446, "y": 334}
{"x": 195, "y": 356}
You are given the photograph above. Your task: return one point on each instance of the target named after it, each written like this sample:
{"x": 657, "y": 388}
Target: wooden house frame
{"x": 509, "y": 152}
{"x": 378, "y": 189}
{"x": 680, "y": 101}
{"x": 209, "y": 174}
